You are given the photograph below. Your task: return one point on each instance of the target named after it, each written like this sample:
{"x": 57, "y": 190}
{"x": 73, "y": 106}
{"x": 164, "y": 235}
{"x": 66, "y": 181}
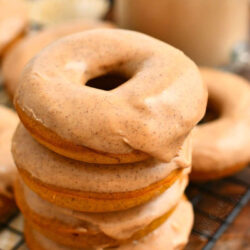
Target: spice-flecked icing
{"x": 152, "y": 112}
{"x": 118, "y": 225}
{"x": 51, "y": 168}
{"x": 171, "y": 235}
{"x": 225, "y": 141}
{"x": 8, "y": 123}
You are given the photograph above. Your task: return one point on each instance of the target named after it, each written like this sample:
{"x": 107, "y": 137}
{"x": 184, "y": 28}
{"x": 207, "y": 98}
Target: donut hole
{"x": 9, "y": 189}
{"x": 107, "y": 82}
{"x": 212, "y": 113}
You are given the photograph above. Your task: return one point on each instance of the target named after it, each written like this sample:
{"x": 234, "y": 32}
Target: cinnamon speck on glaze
{"x": 56, "y": 170}
{"x": 152, "y": 112}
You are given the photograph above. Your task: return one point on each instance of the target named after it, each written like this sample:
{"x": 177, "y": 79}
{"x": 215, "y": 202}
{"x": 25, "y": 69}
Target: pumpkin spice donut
{"x": 18, "y": 56}
{"x": 8, "y": 123}
{"x": 94, "y": 187}
{"x": 221, "y": 146}
{"x": 78, "y": 229}
{"x": 172, "y": 234}
{"x": 150, "y": 114}
{"x": 13, "y": 22}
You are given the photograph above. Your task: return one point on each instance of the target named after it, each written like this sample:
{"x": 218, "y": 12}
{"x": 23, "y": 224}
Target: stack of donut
{"x": 100, "y": 167}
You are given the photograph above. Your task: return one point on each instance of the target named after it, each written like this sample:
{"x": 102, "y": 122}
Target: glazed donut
{"x": 8, "y": 123}
{"x": 77, "y": 229}
{"x": 150, "y": 114}
{"x": 13, "y": 21}
{"x": 18, "y": 56}
{"x": 170, "y": 235}
{"x": 92, "y": 187}
{"x": 221, "y": 146}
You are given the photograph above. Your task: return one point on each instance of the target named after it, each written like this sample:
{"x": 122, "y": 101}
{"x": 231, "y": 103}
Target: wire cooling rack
{"x": 216, "y": 205}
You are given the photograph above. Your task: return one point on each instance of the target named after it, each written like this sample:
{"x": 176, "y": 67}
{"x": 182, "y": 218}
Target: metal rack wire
{"x": 216, "y": 205}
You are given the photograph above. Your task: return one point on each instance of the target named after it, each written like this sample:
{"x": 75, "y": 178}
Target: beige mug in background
{"x": 208, "y": 31}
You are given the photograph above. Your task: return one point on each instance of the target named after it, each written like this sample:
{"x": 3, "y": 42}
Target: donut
{"x": 92, "y": 187}
{"x": 8, "y": 171}
{"x": 77, "y": 229}
{"x": 221, "y": 146}
{"x": 13, "y": 21}
{"x": 8, "y": 125}
{"x": 170, "y": 235}
{"x": 209, "y": 32}
{"x": 18, "y": 56}
{"x": 150, "y": 114}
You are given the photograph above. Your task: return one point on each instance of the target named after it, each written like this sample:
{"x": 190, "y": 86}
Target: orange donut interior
{"x": 98, "y": 202}
{"x": 74, "y": 237}
{"x": 57, "y": 144}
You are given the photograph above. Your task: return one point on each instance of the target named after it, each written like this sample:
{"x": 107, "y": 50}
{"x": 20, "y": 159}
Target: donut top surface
{"x": 224, "y": 141}
{"x": 8, "y": 123}
{"x": 18, "y": 56}
{"x": 153, "y": 111}
{"x": 13, "y": 20}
